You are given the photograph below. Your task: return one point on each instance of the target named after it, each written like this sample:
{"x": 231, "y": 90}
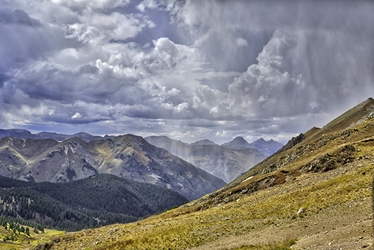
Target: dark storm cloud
{"x": 3, "y": 78}
{"x": 188, "y": 69}
{"x": 331, "y": 52}
{"x": 20, "y": 17}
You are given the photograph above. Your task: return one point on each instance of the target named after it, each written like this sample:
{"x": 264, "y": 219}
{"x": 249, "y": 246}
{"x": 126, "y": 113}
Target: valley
{"x": 95, "y": 201}
{"x": 221, "y": 161}
{"x": 328, "y": 173}
{"x": 186, "y": 125}
{"x": 325, "y": 172}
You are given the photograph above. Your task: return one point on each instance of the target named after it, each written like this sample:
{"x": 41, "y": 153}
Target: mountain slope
{"x": 222, "y": 162}
{"x": 329, "y": 174}
{"x": 75, "y": 205}
{"x": 135, "y": 158}
{"x": 126, "y": 156}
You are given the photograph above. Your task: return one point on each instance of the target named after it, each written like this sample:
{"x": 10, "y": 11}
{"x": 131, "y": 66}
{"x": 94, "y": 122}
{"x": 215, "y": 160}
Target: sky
{"x": 189, "y": 70}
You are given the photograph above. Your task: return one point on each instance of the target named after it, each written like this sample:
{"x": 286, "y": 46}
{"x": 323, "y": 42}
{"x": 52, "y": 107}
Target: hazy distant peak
{"x": 19, "y": 133}
{"x": 158, "y": 136}
{"x": 81, "y": 134}
{"x": 237, "y": 143}
{"x": 266, "y": 147}
{"x": 25, "y": 134}
{"x": 239, "y": 138}
{"x": 261, "y": 140}
{"x": 203, "y": 142}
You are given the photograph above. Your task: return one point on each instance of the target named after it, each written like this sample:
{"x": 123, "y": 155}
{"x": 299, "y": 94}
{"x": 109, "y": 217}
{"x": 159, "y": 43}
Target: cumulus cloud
{"x": 87, "y": 5}
{"x": 77, "y": 115}
{"x": 268, "y": 89}
{"x": 188, "y": 69}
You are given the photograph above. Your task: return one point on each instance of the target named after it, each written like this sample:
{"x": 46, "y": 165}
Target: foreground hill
{"x": 126, "y": 156}
{"x": 222, "y": 162}
{"x": 98, "y": 200}
{"x": 328, "y": 174}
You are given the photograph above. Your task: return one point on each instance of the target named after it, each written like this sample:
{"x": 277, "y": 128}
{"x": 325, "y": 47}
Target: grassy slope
{"x": 27, "y": 242}
{"x": 258, "y": 210}
{"x": 274, "y": 207}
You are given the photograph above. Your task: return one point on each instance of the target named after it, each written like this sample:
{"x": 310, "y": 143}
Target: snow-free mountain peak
{"x": 25, "y": 134}
{"x": 203, "y": 142}
{"x": 237, "y": 143}
{"x": 127, "y": 156}
{"x": 266, "y": 147}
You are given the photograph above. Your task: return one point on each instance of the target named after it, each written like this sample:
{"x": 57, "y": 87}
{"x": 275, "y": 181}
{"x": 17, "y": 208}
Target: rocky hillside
{"x": 126, "y": 156}
{"x": 222, "y": 162}
{"x": 316, "y": 194}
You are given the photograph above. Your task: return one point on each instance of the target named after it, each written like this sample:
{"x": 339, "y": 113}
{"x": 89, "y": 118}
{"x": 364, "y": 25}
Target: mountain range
{"x": 128, "y": 156}
{"x": 315, "y": 193}
{"x": 224, "y": 162}
{"x": 25, "y": 134}
{"x": 266, "y": 147}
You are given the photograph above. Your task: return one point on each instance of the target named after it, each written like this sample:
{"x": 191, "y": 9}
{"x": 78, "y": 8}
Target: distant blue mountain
{"x": 266, "y": 147}
{"x": 25, "y": 134}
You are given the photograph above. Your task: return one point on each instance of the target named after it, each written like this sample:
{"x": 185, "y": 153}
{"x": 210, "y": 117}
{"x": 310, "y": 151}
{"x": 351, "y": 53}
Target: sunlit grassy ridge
{"x": 184, "y": 228}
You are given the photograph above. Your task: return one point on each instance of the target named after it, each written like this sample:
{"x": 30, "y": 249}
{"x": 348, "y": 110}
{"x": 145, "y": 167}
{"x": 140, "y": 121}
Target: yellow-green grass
{"x": 23, "y": 241}
{"x": 185, "y": 227}
{"x": 46, "y": 236}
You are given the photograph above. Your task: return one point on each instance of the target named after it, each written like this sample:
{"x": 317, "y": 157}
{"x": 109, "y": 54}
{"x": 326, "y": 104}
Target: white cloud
{"x": 182, "y": 107}
{"x": 173, "y": 92}
{"x": 151, "y": 4}
{"x": 267, "y": 88}
{"x": 115, "y": 25}
{"x": 84, "y": 34}
{"x": 87, "y": 4}
{"x": 241, "y": 42}
{"x": 77, "y": 115}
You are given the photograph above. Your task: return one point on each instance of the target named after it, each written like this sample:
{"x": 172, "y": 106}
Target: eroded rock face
{"x": 293, "y": 142}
